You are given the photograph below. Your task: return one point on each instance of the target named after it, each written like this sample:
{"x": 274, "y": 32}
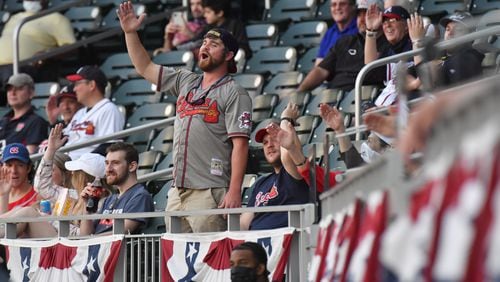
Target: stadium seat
{"x": 252, "y": 83}
{"x": 167, "y": 162}
{"x": 4, "y": 18}
{"x": 41, "y": 112}
{"x": 439, "y": 8}
{"x": 479, "y": 7}
{"x": 156, "y": 225}
{"x": 148, "y": 161}
{"x": 301, "y": 99}
{"x": 164, "y": 140}
{"x": 43, "y": 90}
{"x": 176, "y": 59}
{"x": 119, "y": 66}
{"x": 492, "y": 43}
{"x": 241, "y": 60}
{"x": 348, "y": 107}
{"x": 323, "y": 13}
{"x": 272, "y": 60}
{"x": 247, "y": 188}
{"x": 307, "y": 60}
{"x": 335, "y": 162}
{"x": 261, "y": 35}
{"x": 111, "y": 20}
{"x": 4, "y": 110}
{"x": 136, "y": 92}
{"x": 283, "y": 83}
{"x": 326, "y": 96}
{"x": 294, "y": 10}
{"x": 13, "y": 6}
{"x": 263, "y": 107}
{"x": 304, "y": 34}
{"x": 305, "y": 128}
{"x": 84, "y": 19}
{"x": 150, "y": 112}
{"x": 140, "y": 140}
{"x": 320, "y": 131}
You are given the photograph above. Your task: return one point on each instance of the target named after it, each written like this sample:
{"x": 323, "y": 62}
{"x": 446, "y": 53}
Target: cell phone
{"x": 178, "y": 18}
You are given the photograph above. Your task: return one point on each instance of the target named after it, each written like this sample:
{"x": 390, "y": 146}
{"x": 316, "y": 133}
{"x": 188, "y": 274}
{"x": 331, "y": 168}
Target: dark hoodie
{"x": 460, "y": 66}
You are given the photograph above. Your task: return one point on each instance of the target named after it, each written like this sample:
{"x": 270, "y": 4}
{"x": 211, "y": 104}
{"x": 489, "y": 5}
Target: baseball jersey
{"x": 102, "y": 119}
{"x": 276, "y": 189}
{"x": 205, "y": 122}
{"x": 135, "y": 199}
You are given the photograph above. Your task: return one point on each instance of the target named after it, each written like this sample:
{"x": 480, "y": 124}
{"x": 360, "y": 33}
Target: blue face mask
{"x": 243, "y": 274}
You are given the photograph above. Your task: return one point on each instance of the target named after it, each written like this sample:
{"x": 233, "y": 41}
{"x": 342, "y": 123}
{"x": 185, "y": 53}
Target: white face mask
{"x": 32, "y": 6}
{"x": 367, "y": 153}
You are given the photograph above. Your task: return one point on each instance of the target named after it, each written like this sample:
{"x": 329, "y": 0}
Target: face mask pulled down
{"x": 243, "y": 274}
{"x": 32, "y": 6}
{"x": 368, "y": 154}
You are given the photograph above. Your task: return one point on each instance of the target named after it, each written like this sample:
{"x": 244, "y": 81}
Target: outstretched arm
{"x": 130, "y": 23}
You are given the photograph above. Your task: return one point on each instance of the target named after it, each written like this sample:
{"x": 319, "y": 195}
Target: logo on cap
{"x": 14, "y": 150}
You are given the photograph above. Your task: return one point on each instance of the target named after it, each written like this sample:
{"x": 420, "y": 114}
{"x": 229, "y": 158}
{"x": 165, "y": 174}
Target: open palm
{"x": 128, "y": 19}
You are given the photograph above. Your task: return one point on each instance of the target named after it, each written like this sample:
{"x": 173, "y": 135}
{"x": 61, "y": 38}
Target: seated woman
{"x": 49, "y": 183}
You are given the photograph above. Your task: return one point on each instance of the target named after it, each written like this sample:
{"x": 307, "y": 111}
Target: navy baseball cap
{"x": 90, "y": 73}
{"x": 16, "y": 151}
{"x": 66, "y": 92}
{"x": 396, "y": 12}
{"x": 229, "y": 41}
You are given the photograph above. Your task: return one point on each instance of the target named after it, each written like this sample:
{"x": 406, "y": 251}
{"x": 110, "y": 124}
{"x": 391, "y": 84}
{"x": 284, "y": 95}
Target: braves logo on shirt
{"x": 263, "y": 198}
{"x": 86, "y": 126}
{"x": 208, "y": 109}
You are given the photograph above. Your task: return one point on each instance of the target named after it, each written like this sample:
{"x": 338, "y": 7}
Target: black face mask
{"x": 243, "y": 274}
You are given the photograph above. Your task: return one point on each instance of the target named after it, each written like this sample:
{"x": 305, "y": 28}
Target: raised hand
{"x": 56, "y": 140}
{"x": 291, "y": 111}
{"x": 373, "y": 17}
{"x": 5, "y": 185}
{"x": 128, "y": 19}
{"x": 332, "y": 117}
{"x": 416, "y": 28}
{"x": 52, "y": 110}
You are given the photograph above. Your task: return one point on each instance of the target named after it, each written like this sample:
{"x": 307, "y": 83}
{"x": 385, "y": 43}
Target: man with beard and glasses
{"x": 121, "y": 172}
{"x": 249, "y": 263}
{"x": 212, "y": 125}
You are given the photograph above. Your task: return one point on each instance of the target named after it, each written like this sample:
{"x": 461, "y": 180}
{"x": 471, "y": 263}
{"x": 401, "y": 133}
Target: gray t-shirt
{"x": 204, "y": 126}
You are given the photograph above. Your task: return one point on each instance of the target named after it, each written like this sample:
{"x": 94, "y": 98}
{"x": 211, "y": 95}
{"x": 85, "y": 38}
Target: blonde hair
{"x": 79, "y": 180}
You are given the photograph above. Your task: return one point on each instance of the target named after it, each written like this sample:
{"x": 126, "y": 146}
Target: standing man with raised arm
{"x": 212, "y": 125}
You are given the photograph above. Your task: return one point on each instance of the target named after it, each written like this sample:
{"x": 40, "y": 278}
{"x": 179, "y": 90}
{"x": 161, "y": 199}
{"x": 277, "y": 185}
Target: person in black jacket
{"x": 460, "y": 63}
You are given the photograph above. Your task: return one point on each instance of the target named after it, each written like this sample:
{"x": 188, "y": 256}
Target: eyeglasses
{"x": 81, "y": 82}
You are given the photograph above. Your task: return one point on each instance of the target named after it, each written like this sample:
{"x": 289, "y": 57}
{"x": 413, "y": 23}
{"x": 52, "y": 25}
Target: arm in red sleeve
{"x": 320, "y": 176}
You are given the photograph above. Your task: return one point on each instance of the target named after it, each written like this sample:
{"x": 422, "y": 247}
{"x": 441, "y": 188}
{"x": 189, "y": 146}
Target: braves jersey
{"x": 276, "y": 189}
{"x": 205, "y": 122}
{"x": 100, "y": 120}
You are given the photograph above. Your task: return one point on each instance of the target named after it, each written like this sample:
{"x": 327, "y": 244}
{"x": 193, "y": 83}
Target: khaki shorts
{"x": 182, "y": 199}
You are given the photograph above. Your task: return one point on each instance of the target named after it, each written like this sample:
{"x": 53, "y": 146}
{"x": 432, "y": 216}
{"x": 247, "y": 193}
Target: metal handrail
{"x": 443, "y": 45}
{"x": 66, "y": 48}
{"x": 17, "y": 30}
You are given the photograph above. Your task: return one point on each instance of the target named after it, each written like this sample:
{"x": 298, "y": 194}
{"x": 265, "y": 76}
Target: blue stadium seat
{"x": 307, "y": 60}
{"x": 284, "y": 83}
{"x": 252, "y": 83}
{"x": 294, "y": 10}
{"x": 261, "y": 36}
{"x": 272, "y": 60}
{"x": 304, "y": 34}
{"x": 43, "y": 90}
{"x": 263, "y": 107}
{"x": 176, "y": 59}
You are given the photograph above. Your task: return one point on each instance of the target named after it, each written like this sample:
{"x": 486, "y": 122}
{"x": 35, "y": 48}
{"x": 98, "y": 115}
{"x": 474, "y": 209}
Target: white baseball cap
{"x": 93, "y": 164}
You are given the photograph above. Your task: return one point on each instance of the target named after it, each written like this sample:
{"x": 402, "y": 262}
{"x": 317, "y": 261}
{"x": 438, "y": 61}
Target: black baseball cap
{"x": 464, "y": 18}
{"x": 230, "y": 43}
{"x": 396, "y": 12}
{"x": 90, "y": 73}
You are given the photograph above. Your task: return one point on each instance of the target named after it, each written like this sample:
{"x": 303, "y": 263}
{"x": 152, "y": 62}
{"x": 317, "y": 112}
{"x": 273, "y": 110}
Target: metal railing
{"x": 66, "y": 48}
{"x": 443, "y": 45}
{"x": 478, "y": 107}
{"x": 136, "y": 265}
